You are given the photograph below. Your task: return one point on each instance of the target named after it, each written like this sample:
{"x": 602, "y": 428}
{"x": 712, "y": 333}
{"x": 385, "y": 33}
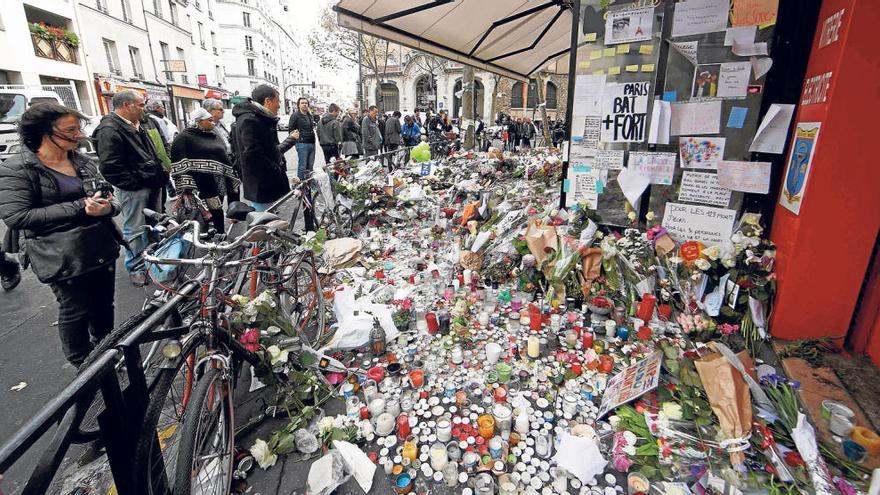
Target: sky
{"x": 306, "y": 15}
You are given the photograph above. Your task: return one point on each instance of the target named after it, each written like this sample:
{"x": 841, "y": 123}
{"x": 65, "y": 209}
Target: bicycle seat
{"x": 255, "y": 218}
{"x": 239, "y": 211}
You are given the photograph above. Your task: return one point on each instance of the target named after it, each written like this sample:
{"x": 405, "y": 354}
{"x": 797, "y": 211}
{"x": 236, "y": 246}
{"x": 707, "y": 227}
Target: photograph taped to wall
{"x": 629, "y": 25}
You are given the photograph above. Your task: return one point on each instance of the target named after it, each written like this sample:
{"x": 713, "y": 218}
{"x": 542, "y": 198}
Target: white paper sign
{"x": 734, "y": 79}
{"x": 700, "y": 16}
{"x": 582, "y": 187}
{"x": 695, "y": 118}
{"x": 703, "y": 187}
{"x": 609, "y": 159}
{"x": 771, "y": 134}
{"x": 632, "y": 184}
{"x": 628, "y": 26}
{"x": 588, "y": 94}
{"x": 742, "y": 34}
{"x": 706, "y": 224}
{"x": 749, "y": 49}
{"x": 624, "y": 112}
{"x": 701, "y": 152}
{"x": 750, "y": 177}
{"x": 687, "y": 49}
{"x": 760, "y": 66}
{"x": 659, "y": 168}
{"x": 661, "y": 114}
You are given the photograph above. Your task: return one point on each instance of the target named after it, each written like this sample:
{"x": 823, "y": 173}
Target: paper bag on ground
{"x": 729, "y": 397}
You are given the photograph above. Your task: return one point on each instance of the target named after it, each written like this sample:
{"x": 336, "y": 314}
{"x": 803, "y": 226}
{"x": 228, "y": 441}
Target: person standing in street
{"x": 411, "y": 132}
{"x": 527, "y": 131}
{"x": 351, "y": 134}
{"x": 330, "y": 133}
{"x": 372, "y": 136}
{"x": 392, "y": 136}
{"x": 258, "y": 154}
{"x": 155, "y": 111}
{"x": 128, "y": 160}
{"x": 303, "y": 122}
{"x": 56, "y": 198}
{"x": 215, "y": 107}
{"x": 201, "y": 166}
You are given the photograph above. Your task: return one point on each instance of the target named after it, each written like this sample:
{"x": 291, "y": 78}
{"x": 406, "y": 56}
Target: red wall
{"x": 823, "y": 252}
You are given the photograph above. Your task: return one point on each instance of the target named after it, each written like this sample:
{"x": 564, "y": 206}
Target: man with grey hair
{"x": 129, "y": 161}
{"x": 158, "y": 114}
{"x": 215, "y": 108}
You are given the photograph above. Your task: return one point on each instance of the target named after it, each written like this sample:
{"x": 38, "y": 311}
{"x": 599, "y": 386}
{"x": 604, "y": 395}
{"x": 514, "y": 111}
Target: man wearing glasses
{"x": 128, "y": 160}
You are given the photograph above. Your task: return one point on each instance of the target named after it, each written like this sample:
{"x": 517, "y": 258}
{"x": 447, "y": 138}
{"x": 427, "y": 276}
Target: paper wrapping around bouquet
{"x": 591, "y": 266}
{"x": 496, "y": 154}
{"x": 470, "y": 260}
{"x": 539, "y": 236}
{"x": 470, "y": 211}
{"x": 729, "y": 396}
{"x": 664, "y": 245}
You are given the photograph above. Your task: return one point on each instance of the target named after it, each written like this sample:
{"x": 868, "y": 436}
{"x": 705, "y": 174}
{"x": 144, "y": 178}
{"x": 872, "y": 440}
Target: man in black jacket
{"x": 128, "y": 160}
{"x": 302, "y": 121}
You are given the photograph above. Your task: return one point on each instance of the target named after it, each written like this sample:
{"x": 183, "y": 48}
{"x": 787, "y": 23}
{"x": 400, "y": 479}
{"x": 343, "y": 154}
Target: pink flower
{"x": 250, "y": 339}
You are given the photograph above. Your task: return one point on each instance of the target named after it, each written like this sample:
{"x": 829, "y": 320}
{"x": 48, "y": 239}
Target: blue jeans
{"x": 133, "y": 204}
{"x": 305, "y": 154}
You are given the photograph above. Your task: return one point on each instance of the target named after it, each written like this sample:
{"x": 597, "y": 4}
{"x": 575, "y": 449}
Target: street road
{"x": 31, "y": 349}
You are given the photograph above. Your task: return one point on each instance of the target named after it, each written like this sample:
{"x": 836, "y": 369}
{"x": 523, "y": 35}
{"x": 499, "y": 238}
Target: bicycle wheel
{"x": 302, "y": 300}
{"x": 169, "y": 398}
{"x": 205, "y": 455}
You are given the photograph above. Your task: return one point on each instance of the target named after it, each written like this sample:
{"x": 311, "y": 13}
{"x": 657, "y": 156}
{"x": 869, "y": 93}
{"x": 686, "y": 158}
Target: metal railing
{"x": 119, "y": 421}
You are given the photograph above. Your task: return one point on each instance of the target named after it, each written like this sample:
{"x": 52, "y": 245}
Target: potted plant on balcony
{"x": 54, "y": 42}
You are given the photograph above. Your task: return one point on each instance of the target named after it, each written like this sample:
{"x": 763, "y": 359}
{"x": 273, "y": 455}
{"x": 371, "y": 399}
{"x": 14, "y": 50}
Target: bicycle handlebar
{"x": 213, "y": 247}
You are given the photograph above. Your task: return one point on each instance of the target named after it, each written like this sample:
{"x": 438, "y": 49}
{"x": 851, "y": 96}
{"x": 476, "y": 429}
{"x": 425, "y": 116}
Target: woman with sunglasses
{"x": 57, "y": 198}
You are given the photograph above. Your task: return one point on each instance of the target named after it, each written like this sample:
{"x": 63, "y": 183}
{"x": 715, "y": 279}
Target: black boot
{"x": 10, "y": 273}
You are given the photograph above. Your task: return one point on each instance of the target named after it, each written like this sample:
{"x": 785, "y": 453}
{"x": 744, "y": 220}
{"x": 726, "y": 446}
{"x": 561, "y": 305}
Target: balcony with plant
{"x": 53, "y": 42}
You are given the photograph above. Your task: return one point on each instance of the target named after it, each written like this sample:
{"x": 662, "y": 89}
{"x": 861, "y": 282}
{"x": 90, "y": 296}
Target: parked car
{"x": 283, "y": 120}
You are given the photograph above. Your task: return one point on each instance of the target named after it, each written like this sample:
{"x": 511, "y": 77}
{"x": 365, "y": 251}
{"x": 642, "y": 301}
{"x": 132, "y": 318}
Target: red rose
{"x": 250, "y": 339}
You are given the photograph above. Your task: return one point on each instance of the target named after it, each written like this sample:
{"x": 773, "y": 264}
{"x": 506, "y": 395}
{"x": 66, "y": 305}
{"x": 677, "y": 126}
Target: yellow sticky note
{"x": 632, "y": 68}
{"x": 647, "y": 67}
{"x": 613, "y": 71}
{"x": 621, "y": 49}
{"x": 646, "y": 49}
{"x": 608, "y": 52}
{"x": 598, "y": 72}
{"x": 596, "y": 55}
{"x": 584, "y": 64}
{"x": 590, "y": 37}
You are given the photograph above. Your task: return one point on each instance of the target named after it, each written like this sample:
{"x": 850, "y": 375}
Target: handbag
{"x": 67, "y": 253}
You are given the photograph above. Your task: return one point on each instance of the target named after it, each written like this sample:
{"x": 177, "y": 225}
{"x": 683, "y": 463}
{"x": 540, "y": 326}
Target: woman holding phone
{"x": 57, "y": 198}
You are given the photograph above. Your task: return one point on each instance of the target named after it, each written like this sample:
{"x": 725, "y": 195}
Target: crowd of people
{"x": 58, "y": 203}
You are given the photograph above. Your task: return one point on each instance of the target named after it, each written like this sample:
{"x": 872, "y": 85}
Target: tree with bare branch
{"x": 335, "y": 45}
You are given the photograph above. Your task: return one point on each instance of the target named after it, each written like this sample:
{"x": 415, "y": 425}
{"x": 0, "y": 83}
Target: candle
{"x": 444, "y": 430}
{"x": 468, "y": 277}
{"x": 534, "y": 347}
{"x": 571, "y": 338}
{"x": 439, "y": 457}
{"x": 555, "y": 321}
{"x": 457, "y": 355}
{"x": 431, "y": 323}
{"x": 483, "y": 318}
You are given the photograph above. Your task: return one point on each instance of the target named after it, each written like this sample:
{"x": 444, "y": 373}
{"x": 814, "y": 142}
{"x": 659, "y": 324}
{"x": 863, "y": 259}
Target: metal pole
{"x": 569, "y": 104}
{"x": 360, "y": 88}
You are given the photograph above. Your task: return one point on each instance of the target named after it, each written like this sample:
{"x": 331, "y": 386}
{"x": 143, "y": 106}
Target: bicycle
{"x": 204, "y": 454}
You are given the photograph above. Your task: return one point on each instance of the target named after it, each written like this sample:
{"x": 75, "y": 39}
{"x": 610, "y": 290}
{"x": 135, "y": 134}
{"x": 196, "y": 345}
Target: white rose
{"x": 702, "y": 264}
{"x": 728, "y": 262}
{"x": 712, "y": 252}
{"x": 277, "y": 355}
{"x": 650, "y": 216}
{"x": 263, "y": 454}
{"x": 632, "y": 216}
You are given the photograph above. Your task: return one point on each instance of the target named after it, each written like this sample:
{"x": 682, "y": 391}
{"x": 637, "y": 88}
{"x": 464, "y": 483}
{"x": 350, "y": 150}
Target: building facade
{"x": 177, "y": 51}
{"x": 41, "y": 42}
{"x": 413, "y": 82}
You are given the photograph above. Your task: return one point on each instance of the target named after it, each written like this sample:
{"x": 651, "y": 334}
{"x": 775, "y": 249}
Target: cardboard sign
{"x": 754, "y": 12}
{"x": 631, "y": 383}
{"x": 624, "y": 112}
{"x": 706, "y": 224}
